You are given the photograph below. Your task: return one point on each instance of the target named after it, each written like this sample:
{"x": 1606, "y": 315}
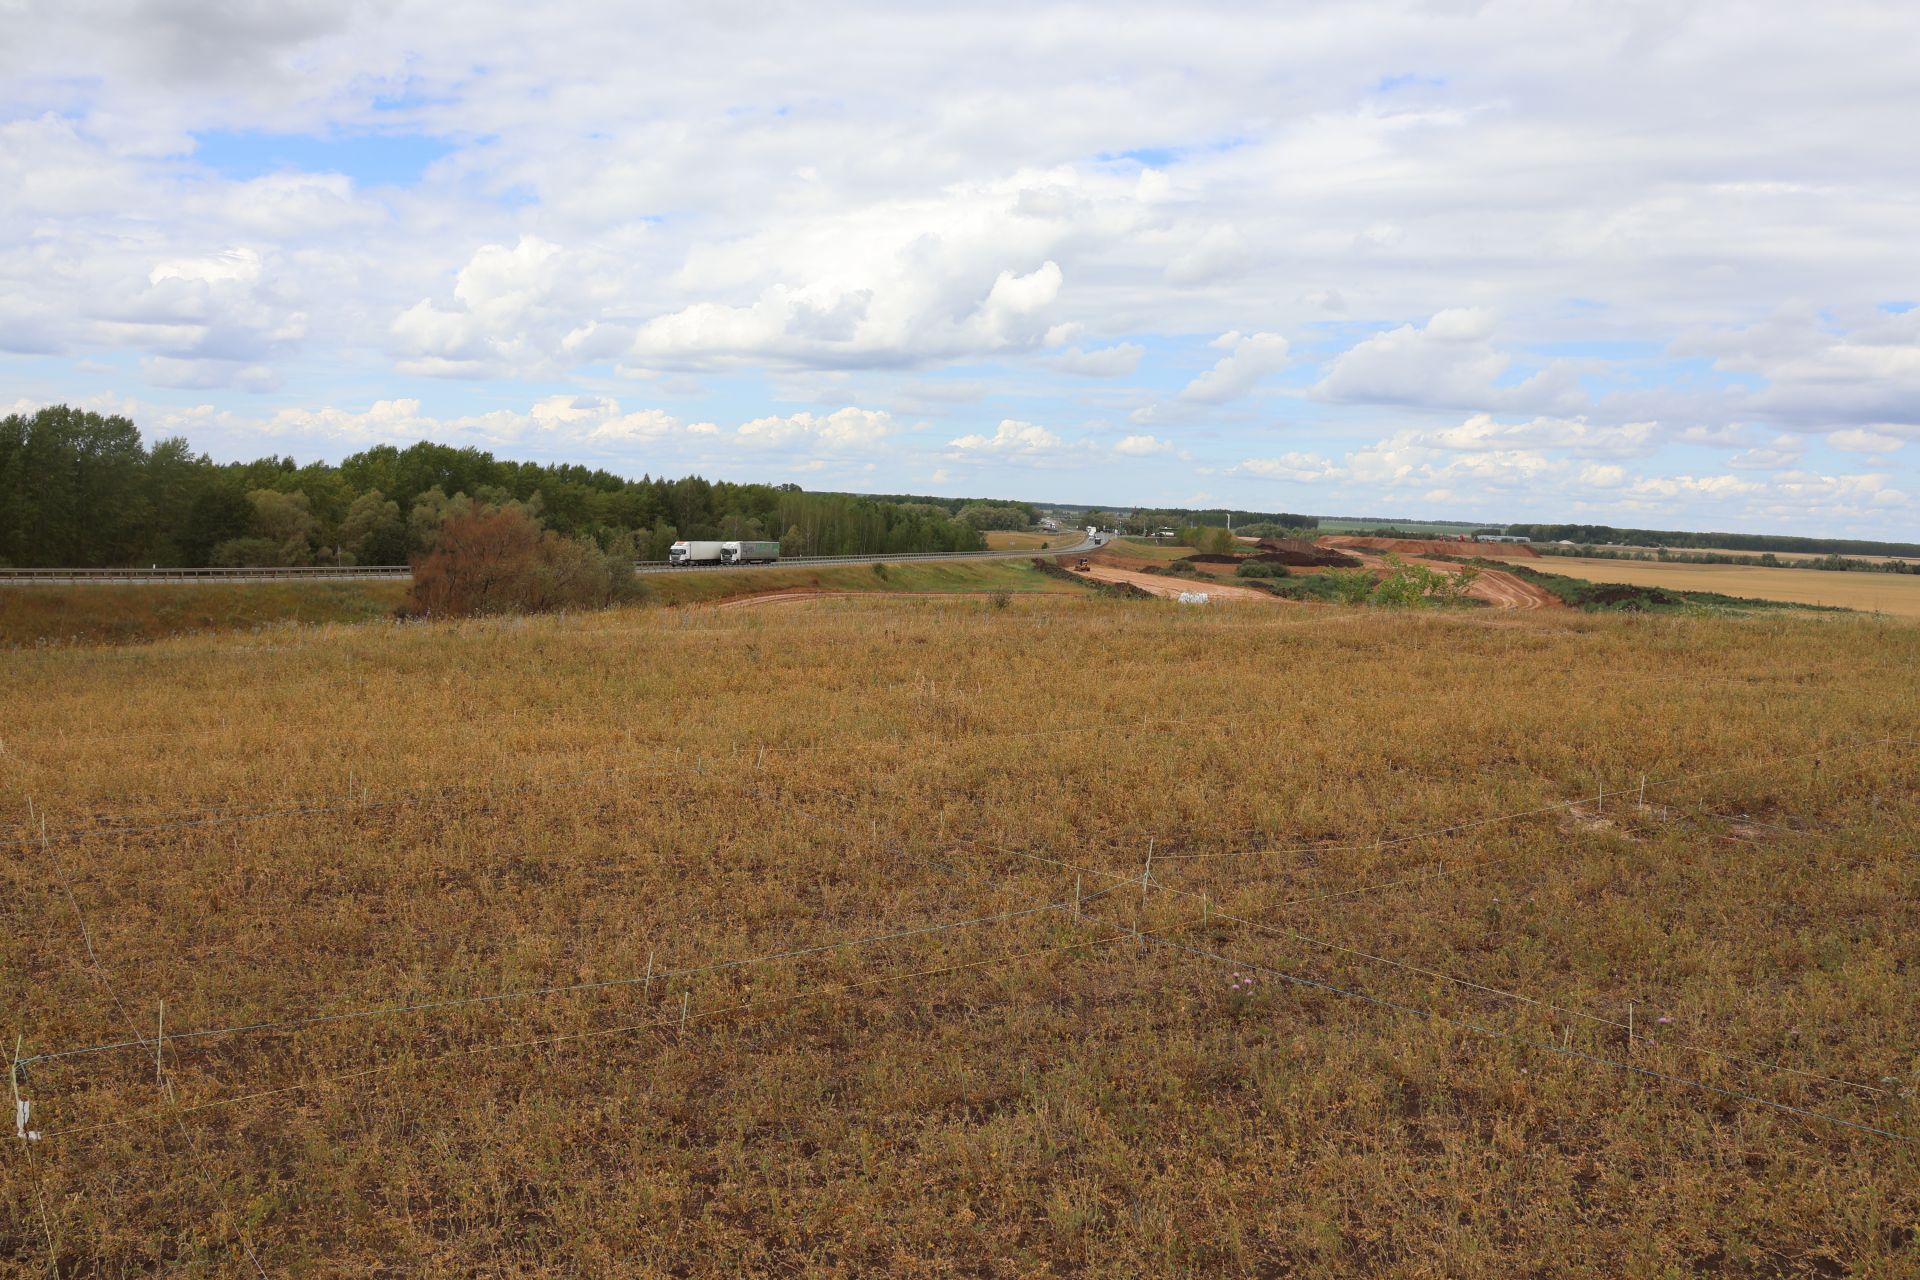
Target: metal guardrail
{"x": 321, "y": 572}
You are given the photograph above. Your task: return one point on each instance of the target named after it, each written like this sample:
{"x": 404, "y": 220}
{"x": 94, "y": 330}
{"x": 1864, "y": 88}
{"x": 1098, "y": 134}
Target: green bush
{"x": 1261, "y": 569}
{"x": 1350, "y": 586}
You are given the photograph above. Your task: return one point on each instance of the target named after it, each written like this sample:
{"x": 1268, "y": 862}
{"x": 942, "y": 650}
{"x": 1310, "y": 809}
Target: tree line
{"x": 82, "y": 490}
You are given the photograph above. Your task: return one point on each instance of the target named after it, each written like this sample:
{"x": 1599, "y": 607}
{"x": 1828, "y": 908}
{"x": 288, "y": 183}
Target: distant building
{"x": 1500, "y": 537}
{"x": 1049, "y": 526}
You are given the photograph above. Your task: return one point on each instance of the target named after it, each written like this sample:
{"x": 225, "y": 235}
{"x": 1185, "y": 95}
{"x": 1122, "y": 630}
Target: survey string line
{"x": 106, "y": 984}
{"x": 576, "y": 988}
{"x": 834, "y": 992}
{"x": 1555, "y": 807}
{"x": 1691, "y": 1046}
{"x": 1527, "y": 1041}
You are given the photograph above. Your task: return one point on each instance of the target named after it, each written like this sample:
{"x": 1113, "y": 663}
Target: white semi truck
{"x": 684, "y": 552}
{"x": 749, "y": 552}
{"x": 742, "y": 552}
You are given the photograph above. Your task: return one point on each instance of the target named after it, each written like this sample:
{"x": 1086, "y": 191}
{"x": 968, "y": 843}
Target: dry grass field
{"x": 86, "y": 613}
{"x": 1755, "y": 555}
{"x": 1892, "y": 593}
{"x": 698, "y": 942}
{"x": 66, "y": 614}
{"x": 1016, "y": 540}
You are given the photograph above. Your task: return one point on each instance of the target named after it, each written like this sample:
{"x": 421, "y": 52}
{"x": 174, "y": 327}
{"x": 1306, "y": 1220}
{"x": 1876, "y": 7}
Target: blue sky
{"x": 369, "y": 159}
{"x": 1498, "y": 264}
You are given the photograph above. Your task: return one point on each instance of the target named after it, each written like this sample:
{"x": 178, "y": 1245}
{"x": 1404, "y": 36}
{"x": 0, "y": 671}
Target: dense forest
{"x": 1601, "y": 534}
{"x": 81, "y": 490}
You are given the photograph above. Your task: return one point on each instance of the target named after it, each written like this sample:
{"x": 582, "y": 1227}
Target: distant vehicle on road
{"x": 749, "y": 552}
{"x": 684, "y": 552}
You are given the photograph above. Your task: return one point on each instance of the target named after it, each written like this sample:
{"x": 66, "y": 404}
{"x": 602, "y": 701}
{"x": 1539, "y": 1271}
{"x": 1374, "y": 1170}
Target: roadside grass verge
{"x": 907, "y": 576}
{"x": 1016, "y": 540}
{"x": 65, "y": 613}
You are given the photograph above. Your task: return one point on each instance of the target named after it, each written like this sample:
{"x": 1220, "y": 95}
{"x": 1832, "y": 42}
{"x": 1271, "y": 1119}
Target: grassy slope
{"x": 66, "y": 614}
{"x": 1013, "y": 540}
{"x": 1150, "y": 549}
{"x": 593, "y": 796}
{"x": 912, "y": 575}
{"x": 76, "y": 614}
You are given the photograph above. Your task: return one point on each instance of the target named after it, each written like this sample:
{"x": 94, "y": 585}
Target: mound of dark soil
{"x": 1621, "y": 595}
{"x": 1304, "y": 555}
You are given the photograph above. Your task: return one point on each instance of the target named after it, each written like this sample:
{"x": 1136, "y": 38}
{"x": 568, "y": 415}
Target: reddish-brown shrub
{"x": 498, "y": 560}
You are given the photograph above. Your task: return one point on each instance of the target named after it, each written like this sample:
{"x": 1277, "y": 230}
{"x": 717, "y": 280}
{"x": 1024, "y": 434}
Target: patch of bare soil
{"x": 1170, "y": 588}
{"x": 1300, "y": 554}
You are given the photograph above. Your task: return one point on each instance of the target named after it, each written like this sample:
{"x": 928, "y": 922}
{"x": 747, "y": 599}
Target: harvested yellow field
{"x": 1035, "y": 935}
{"x": 1892, "y": 593}
{"x": 1755, "y": 555}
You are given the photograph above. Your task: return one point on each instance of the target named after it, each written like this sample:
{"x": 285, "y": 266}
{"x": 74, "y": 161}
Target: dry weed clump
{"x": 708, "y": 942}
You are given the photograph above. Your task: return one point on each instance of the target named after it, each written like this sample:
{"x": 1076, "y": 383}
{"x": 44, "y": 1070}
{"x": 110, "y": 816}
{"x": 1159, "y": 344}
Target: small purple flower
{"x": 1664, "y": 1019}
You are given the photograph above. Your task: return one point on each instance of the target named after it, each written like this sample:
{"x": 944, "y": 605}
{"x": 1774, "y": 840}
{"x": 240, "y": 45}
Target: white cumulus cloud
{"x": 1250, "y": 358}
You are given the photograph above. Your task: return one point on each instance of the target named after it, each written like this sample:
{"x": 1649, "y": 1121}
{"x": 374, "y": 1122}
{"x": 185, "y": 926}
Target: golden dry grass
{"x": 85, "y": 613}
{"x": 343, "y": 819}
{"x": 1892, "y": 593}
{"x": 1016, "y": 540}
{"x": 1755, "y": 555}
{"x": 1149, "y": 549}
{"x": 79, "y": 613}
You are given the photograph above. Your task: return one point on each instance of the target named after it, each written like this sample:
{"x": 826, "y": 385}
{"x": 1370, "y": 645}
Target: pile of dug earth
{"x": 1303, "y": 555}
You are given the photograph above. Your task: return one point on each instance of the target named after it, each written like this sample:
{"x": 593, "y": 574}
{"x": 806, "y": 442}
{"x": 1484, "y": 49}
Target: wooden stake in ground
{"x": 20, "y": 1108}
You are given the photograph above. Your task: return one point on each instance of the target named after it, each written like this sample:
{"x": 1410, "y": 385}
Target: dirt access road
{"x": 1497, "y": 587}
{"x": 1505, "y": 591}
{"x": 1170, "y": 588}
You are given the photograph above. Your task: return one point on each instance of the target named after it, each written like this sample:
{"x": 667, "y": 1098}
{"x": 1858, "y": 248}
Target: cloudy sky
{"x": 1645, "y": 263}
